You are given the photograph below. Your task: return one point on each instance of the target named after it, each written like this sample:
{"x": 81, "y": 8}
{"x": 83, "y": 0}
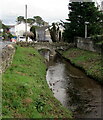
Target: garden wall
{"x": 6, "y": 57}
{"x": 88, "y": 44}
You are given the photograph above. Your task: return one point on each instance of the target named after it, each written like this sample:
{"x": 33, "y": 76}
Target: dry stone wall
{"x": 6, "y": 57}
{"x": 88, "y": 44}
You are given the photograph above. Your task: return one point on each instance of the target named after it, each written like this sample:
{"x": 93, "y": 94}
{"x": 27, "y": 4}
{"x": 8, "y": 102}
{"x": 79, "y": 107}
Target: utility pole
{"x": 86, "y": 23}
{"x": 85, "y": 30}
{"x": 26, "y": 21}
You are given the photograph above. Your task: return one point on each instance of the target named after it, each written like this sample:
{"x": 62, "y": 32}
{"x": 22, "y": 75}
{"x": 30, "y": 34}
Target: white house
{"x": 20, "y": 29}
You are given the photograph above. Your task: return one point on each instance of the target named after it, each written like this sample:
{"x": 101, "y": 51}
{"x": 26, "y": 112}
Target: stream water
{"x": 73, "y": 88}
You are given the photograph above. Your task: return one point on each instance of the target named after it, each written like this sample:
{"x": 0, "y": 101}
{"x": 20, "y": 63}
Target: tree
{"x": 29, "y": 34}
{"x": 6, "y": 33}
{"x": 54, "y": 32}
{"x": 36, "y": 19}
{"x": 20, "y": 19}
{"x": 32, "y": 29}
{"x": 30, "y": 21}
{"x": 39, "y": 20}
{"x": 81, "y": 12}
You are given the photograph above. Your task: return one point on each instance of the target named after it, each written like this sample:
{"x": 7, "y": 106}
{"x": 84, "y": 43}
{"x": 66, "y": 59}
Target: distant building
{"x": 46, "y": 24}
{"x": 20, "y": 29}
{"x": 43, "y": 34}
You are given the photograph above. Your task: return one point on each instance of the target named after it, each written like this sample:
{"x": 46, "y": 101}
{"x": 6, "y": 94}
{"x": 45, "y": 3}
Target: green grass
{"x": 87, "y": 60}
{"x": 25, "y": 90}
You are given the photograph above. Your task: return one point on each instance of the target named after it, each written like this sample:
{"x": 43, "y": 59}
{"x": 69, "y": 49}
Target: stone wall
{"x": 88, "y": 44}
{"x": 6, "y": 57}
{"x": 47, "y": 45}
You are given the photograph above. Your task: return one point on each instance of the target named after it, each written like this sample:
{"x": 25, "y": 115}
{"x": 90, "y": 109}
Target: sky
{"x": 50, "y": 10}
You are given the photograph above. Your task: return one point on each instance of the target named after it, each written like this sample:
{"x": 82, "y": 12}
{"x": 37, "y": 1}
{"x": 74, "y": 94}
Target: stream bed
{"x": 73, "y": 88}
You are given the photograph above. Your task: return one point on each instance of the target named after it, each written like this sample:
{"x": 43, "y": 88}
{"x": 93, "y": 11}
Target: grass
{"x": 87, "y": 60}
{"x": 25, "y": 90}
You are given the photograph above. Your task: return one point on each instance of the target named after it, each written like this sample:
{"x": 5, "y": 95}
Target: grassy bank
{"x": 88, "y": 61}
{"x": 25, "y": 91}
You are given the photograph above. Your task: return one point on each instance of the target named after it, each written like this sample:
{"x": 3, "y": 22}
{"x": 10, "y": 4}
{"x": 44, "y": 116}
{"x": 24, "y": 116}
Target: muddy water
{"x": 73, "y": 88}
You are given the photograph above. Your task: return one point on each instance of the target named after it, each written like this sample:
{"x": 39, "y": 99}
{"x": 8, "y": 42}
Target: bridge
{"x": 46, "y": 45}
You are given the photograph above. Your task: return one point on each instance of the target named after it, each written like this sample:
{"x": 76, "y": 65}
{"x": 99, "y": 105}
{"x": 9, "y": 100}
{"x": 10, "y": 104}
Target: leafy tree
{"x": 20, "y": 19}
{"x": 60, "y": 36}
{"x": 6, "y": 34}
{"x": 4, "y": 27}
{"x": 36, "y": 19}
{"x": 81, "y": 12}
{"x": 39, "y": 20}
{"x": 54, "y": 32}
{"x": 30, "y": 21}
{"x": 32, "y": 29}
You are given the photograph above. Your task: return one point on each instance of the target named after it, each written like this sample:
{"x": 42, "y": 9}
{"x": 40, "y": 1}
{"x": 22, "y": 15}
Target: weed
{"x": 87, "y": 60}
{"x": 25, "y": 90}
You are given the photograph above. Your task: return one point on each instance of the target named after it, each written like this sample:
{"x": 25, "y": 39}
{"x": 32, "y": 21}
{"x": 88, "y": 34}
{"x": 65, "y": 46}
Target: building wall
{"x": 43, "y": 35}
{"x": 47, "y": 35}
{"x": 20, "y": 29}
{"x": 40, "y": 35}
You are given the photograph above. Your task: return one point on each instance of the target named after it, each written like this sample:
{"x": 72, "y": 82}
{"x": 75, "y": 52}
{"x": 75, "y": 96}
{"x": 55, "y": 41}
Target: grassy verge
{"x": 88, "y": 61}
{"x": 25, "y": 90}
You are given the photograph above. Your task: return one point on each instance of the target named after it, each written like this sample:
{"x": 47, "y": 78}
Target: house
{"x": 20, "y": 29}
{"x": 43, "y": 34}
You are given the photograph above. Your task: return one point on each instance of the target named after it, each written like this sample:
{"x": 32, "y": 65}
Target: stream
{"x": 73, "y": 88}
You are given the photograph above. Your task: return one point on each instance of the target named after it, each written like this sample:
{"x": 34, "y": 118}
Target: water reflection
{"x": 74, "y": 89}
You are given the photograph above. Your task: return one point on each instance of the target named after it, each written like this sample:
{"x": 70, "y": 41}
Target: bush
{"x": 98, "y": 39}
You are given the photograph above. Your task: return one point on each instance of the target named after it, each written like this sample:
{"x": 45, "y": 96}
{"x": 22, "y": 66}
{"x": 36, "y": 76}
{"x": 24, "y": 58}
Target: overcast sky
{"x": 49, "y": 10}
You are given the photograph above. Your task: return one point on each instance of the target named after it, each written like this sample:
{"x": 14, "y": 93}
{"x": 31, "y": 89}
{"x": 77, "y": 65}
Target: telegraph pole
{"x": 26, "y": 21}
{"x": 85, "y": 30}
{"x": 86, "y": 23}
